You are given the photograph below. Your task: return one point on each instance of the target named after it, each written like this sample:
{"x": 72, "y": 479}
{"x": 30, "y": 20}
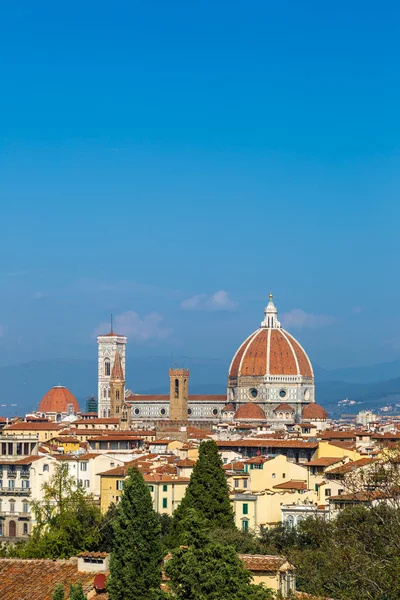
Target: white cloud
{"x": 38, "y": 295}
{"x": 218, "y": 301}
{"x": 129, "y": 323}
{"x": 301, "y": 319}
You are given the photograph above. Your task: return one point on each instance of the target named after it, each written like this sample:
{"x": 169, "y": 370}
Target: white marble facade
{"x": 107, "y": 347}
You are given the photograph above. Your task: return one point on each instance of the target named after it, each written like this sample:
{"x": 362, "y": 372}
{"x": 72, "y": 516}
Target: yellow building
{"x": 66, "y": 443}
{"x": 336, "y": 450}
{"x": 43, "y": 431}
{"x": 166, "y": 491}
{"x": 275, "y": 572}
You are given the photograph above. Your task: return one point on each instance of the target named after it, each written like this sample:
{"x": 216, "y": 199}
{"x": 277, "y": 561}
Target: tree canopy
{"x": 207, "y": 492}
{"x": 135, "y": 564}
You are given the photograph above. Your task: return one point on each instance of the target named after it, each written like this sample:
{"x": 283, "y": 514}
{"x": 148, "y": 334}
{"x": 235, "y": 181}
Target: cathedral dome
{"x": 314, "y": 411}
{"x": 249, "y": 412}
{"x": 270, "y": 351}
{"x": 58, "y": 400}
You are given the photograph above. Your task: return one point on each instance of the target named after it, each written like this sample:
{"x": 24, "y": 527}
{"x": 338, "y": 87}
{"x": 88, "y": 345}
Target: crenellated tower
{"x": 178, "y": 394}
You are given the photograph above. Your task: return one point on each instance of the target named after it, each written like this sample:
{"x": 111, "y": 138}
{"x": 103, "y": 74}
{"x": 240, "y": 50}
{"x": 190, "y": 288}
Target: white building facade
{"x": 108, "y": 344}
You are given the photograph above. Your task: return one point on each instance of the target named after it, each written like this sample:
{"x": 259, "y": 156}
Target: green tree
{"x": 107, "y": 529}
{"x": 58, "y": 593}
{"x": 207, "y": 493}
{"x": 135, "y": 564}
{"x": 76, "y": 592}
{"x": 205, "y": 570}
{"x": 67, "y": 519}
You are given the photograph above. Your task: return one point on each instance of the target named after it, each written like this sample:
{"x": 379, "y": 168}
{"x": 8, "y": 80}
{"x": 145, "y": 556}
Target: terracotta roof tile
{"x": 291, "y": 485}
{"x": 117, "y": 370}
{"x": 261, "y": 562}
{"x": 36, "y": 579}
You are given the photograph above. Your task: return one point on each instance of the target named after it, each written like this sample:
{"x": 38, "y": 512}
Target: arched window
{"x": 12, "y": 506}
{"x": 104, "y": 413}
{"x": 25, "y": 529}
{"x": 107, "y": 367}
{"x": 176, "y": 388}
{"x": 12, "y": 529}
{"x": 104, "y": 393}
{"x": 109, "y": 412}
{"x": 58, "y": 418}
{"x": 117, "y": 395}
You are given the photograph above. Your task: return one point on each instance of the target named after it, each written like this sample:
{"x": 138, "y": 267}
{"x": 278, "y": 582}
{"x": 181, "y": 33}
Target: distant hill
{"x": 26, "y": 384}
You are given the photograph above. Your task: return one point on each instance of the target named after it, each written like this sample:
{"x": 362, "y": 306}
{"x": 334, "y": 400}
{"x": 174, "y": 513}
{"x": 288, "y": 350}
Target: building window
{"x": 26, "y": 484}
{"x": 25, "y": 529}
{"x": 137, "y": 411}
{"x": 165, "y": 503}
{"x": 117, "y": 395}
{"x": 165, "y": 487}
{"x": 253, "y": 393}
{"x": 83, "y": 466}
{"x": 290, "y": 521}
{"x": 11, "y": 484}
{"x": 1, "y": 528}
{"x": 12, "y": 506}
{"x": 283, "y": 475}
{"x": 282, "y": 393}
{"x": 107, "y": 367}
{"x": 163, "y": 411}
{"x": 236, "y": 483}
{"x": 273, "y": 475}
{"x": 189, "y": 411}
{"x": 215, "y": 411}
{"x": 327, "y": 492}
{"x": 176, "y": 388}
{"x": 245, "y": 483}
{"x": 151, "y": 488}
{"x": 25, "y": 507}
{"x": 245, "y": 509}
{"x": 120, "y": 484}
{"x": 245, "y": 526}
{"x": 87, "y": 483}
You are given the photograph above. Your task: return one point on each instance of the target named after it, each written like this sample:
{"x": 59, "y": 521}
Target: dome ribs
{"x": 302, "y": 359}
{"x": 282, "y": 361}
{"x": 234, "y": 370}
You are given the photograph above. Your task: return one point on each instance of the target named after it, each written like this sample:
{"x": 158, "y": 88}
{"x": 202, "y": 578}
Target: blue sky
{"x": 173, "y": 162}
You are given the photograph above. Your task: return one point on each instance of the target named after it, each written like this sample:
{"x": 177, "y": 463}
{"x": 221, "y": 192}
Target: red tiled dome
{"x": 249, "y": 411}
{"x": 270, "y": 352}
{"x": 314, "y": 411}
{"x": 57, "y": 400}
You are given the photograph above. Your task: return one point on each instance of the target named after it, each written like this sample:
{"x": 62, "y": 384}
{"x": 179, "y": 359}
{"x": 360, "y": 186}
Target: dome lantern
{"x": 270, "y": 315}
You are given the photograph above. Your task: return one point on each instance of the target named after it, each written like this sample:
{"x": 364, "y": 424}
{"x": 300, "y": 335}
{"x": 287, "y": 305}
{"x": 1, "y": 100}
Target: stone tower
{"x": 117, "y": 388}
{"x": 108, "y": 345}
{"x": 178, "y": 394}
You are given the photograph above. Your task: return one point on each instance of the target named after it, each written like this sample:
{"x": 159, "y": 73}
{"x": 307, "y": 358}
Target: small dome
{"x": 314, "y": 411}
{"x": 284, "y": 407}
{"x": 57, "y": 400}
{"x": 249, "y": 411}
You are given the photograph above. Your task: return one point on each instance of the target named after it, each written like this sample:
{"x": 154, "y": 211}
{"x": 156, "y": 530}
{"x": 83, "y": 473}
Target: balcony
{"x": 15, "y": 513}
{"x": 11, "y": 474}
{"x": 15, "y": 491}
{"x": 24, "y": 474}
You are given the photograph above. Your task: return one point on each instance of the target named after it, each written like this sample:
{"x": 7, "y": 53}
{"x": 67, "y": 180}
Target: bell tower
{"x": 117, "y": 388}
{"x": 108, "y": 344}
{"x": 178, "y": 394}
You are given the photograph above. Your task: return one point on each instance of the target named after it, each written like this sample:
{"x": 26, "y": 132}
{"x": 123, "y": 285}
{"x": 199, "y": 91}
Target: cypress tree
{"x": 207, "y": 493}
{"x": 76, "y": 592}
{"x": 58, "y": 593}
{"x": 135, "y": 564}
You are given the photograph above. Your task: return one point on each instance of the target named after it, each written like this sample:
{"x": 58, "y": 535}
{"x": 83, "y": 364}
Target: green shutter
{"x": 245, "y": 509}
